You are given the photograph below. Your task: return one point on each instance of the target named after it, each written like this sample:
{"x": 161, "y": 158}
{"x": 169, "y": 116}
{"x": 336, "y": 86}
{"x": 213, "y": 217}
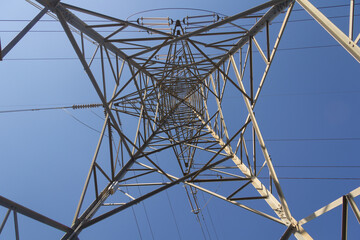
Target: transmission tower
{"x": 172, "y": 79}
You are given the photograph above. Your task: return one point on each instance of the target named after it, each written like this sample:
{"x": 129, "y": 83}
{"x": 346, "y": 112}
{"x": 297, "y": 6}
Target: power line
{"x": 78, "y": 120}
{"x": 310, "y": 139}
{"x": 168, "y": 198}
{"x": 136, "y": 220}
{"x": 172, "y": 212}
{"x": 137, "y": 223}
{"x": 75, "y": 106}
{"x": 145, "y": 210}
{"x": 206, "y": 227}
{"x": 310, "y": 93}
{"x": 57, "y": 108}
{"x": 315, "y": 178}
{"x": 304, "y": 178}
{"x": 317, "y": 166}
{"x": 61, "y": 31}
{"x": 326, "y": 7}
{"x": 34, "y": 109}
{"x": 97, "y": 20}
{"x": 61, "y": 104}
{"x": 42, "y": 59}
{"x": 311, "y": 19}
{"x": 75, "y": 58}
{"x": 208, "y": 211}
{"x": 268, "y": 140}
{"x": 244, "y": 25}
{"x": 201, "y": 227}
{"x": 299, "y": 94}
{"x": 301, "y": 166}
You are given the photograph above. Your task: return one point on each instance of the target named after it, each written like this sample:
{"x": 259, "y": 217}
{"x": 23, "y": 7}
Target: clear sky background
{"x": 308, "y": 113}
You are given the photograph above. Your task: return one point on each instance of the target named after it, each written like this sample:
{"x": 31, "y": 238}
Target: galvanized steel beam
{"x": 332, "y": 29}
{"x": 18, "y": 37}
{"x": 32, "y": 214}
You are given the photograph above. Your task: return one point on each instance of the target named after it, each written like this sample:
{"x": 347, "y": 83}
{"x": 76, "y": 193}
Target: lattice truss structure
{"x": 182, "y": 75}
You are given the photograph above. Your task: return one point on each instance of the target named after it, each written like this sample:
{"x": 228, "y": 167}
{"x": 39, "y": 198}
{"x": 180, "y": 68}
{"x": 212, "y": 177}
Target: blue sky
{"x": 308, "y": 114}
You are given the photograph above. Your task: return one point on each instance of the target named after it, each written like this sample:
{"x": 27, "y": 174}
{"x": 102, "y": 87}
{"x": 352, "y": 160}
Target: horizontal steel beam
{"x": 32, "y": 214}
{"x": 222, "y": 197}
{"x": 147, "y": 195}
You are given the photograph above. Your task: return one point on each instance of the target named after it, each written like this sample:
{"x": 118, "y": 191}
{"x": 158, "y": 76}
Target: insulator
{"x": 82, "y": 106}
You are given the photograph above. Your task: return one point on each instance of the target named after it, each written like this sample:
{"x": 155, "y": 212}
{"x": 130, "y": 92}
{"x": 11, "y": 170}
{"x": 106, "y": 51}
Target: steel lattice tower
{"x": 174, "y": 101}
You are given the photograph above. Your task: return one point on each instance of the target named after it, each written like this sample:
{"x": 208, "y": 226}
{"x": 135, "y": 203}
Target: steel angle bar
{"x": 354, "y": 207}
{"x": 16, "y": 225}
{"x": 91, "y": 33}
{"x": 223, "y": 147}
{"x": 357, "y": 39}
{"x": 217, "y": 67}
{"x": 96, "y": 151}
{"x": 238, "y": 162}
{"x": 115, "y": 32}
{"x": 201, "y": 148}
{"x": 287, "y": 234}
{"x": 5, "y": 219}
{"x": 199, "y": 80}
{"x": 110, "y": 138}
{"x": 108, "y": 190}
{"x": 137, "y": 39}
{"x": 216, "y": 169}
{"x": 127, "y": 23}
{"x": 106, "y": 25}
{"x": 344, "y": 222}
{"x": 88, "y": 71}
{"x": 332, "y": 205}
{"x": 222, "y": 197}
{"x": 275, "y": 10}
{"x": 344, "y": 40}
{"x": 156, "y": 166}
{"x": 261, "y": 51}
{"x": 92, "y": 78}
{"x": 136, "y": 176}
{"x": 102, "y": 171}
{"x": 351, "y": 19}
{"x": 219, "y": 107}
{"x": 271, "y": 58}
{"x": 176, "y": 143}
{"x": 271, "y": 200}
{"x": 142, "y": 184}
{"x": 239, "y": 189}
{"x": 273, "y": 52}
{"x": 32, "y": 214}
{"x": 219, "y": 179}
{"x": 22, "y": 34}
{"x": 263, "y": 147}
{"x": 93, "y": 81}
{"x": 262, "y": 190}
{"x": 145, "y": 196}
{"x": 280, "y": 5}
{"x": 249, "y": 198}
{"x": 141, "y": 69}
